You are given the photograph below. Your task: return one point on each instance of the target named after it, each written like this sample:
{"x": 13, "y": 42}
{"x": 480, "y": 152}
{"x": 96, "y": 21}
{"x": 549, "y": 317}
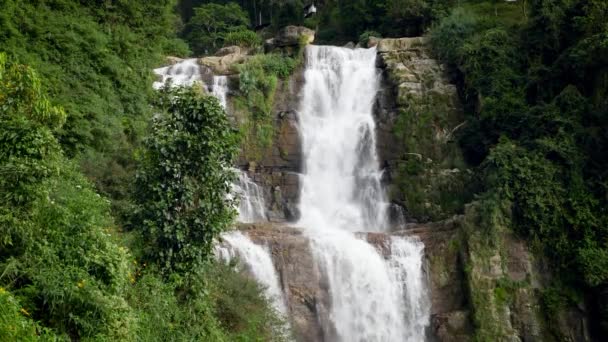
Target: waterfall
{"x": 219, "y": 89}
{"x": 183, "y": 73}
{"x": 373, "y": 297}
{"x": 186, "y": 73}
{"x": 258, "y": 263}
{"x": 252, "y": 207}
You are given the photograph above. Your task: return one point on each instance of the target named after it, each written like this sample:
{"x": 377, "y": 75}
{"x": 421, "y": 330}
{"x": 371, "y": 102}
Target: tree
{"x": 211, "y": 23}
{"x": 185, "y": 179}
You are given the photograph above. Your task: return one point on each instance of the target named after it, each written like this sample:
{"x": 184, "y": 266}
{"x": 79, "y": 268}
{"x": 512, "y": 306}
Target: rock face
{"x": 293, "y": 36}
{"x": 224, "y": 61}
{"x": 277, "y": 169}
{"x": 418, "y": 115}
{"x": 307, "y": 294}
{"x": 475, "y": 294}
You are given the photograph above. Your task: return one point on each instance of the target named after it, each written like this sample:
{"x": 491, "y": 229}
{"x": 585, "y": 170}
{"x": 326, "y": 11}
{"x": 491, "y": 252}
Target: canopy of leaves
{"x": 211, "y": 23}
{"x": 537, "y": 123}
{"x": 184, "y": 181}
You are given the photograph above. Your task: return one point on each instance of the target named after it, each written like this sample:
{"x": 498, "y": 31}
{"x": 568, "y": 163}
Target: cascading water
{"x": 183, "y": 73}
{"x": 258, "y": 262}
{"x": 252, "y": 207}
{"x": 219, "y": 89}
{"x": 372, "y": 298}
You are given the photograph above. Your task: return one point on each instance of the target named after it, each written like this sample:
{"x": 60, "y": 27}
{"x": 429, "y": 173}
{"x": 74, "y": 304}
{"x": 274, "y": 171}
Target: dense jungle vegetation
{"x": 92, "y": 245}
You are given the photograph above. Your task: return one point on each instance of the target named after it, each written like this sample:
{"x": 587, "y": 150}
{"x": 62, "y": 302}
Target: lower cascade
{"x": 258, "y": 262}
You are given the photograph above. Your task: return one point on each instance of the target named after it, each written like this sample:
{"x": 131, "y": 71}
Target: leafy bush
{"x": 242, "y": 307}
{"x": 243, "y": 38}
{"x": 451, "y": 33}
{"x": 15, "y": 324}
{"x": 184, "y": 180}
{"x": 95, "y": 59}
{"x": 364, "y": 37}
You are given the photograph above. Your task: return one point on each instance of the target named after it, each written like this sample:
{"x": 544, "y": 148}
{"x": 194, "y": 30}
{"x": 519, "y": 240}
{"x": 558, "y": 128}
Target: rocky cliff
{"x": 419, "y": 116}
{"x": 485, "y": 287}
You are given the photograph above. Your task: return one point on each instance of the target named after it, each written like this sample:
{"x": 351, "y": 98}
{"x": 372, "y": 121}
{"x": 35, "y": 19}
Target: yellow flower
{"x": 2, "y": 290}
{"x": 81, "y": 284}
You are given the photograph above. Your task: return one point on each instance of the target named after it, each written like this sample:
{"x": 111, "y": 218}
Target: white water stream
{"x": 184, "y": 73}
{"x": 219, "y": 89}
{"x": 258, "y": 262}
{"x": 252, "y": 207}
{"x": 373, "y": 298}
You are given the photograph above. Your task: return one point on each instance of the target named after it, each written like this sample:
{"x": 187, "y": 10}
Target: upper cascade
{"x": 341, "y": 185}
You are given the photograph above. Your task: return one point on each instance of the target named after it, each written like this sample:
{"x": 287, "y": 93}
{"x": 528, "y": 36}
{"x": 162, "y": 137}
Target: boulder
{"x": 223, "y": 65}
{"x": 372, "y": 41}
{"x": 293, "y": 36}
{"x": 398, "y": 44}
{"x": 228, "y": 50}
{"x": 171, "y": 60}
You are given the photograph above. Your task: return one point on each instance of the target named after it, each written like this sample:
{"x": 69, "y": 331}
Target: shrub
{"x": 364, "y": 37}
{"x": 448, "y": 37}
{"x": 243, "y": 38}
{"x": 184, "y": 179}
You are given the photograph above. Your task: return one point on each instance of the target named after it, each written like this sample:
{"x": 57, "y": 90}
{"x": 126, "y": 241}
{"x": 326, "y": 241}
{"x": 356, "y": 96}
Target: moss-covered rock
{"x": 419, "y": 116}
{"x": 506, "y": 282}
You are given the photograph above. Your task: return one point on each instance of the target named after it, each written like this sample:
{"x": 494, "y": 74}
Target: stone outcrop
{"x": 419, "y": 115}
{"x": 299, "y": 276}
{"x": 505, "y": 283}
{"x": 293, "y": 36}
{"x": 171, "y": 60}
{"x": 225, "y": 60}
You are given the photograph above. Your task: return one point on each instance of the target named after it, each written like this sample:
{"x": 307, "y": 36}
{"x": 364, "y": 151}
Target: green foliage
{"x": 364, "y": 37}
{"x": 169, "y": 310}
{"x": 94, "y": 59}
{"x": 243, "y": 309}
{"x": 15, "y": 324}
{"x": 258, "y": 79}
{"x": 533, "y": 87}
{"x": 451, "y": 33}
{"x": 64, "y": 274}
{"x": 243, "y": 38}
{"x": 212, "y": 23}
{"x": 56, "y": 255}
{"x": 184, "y": 180}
